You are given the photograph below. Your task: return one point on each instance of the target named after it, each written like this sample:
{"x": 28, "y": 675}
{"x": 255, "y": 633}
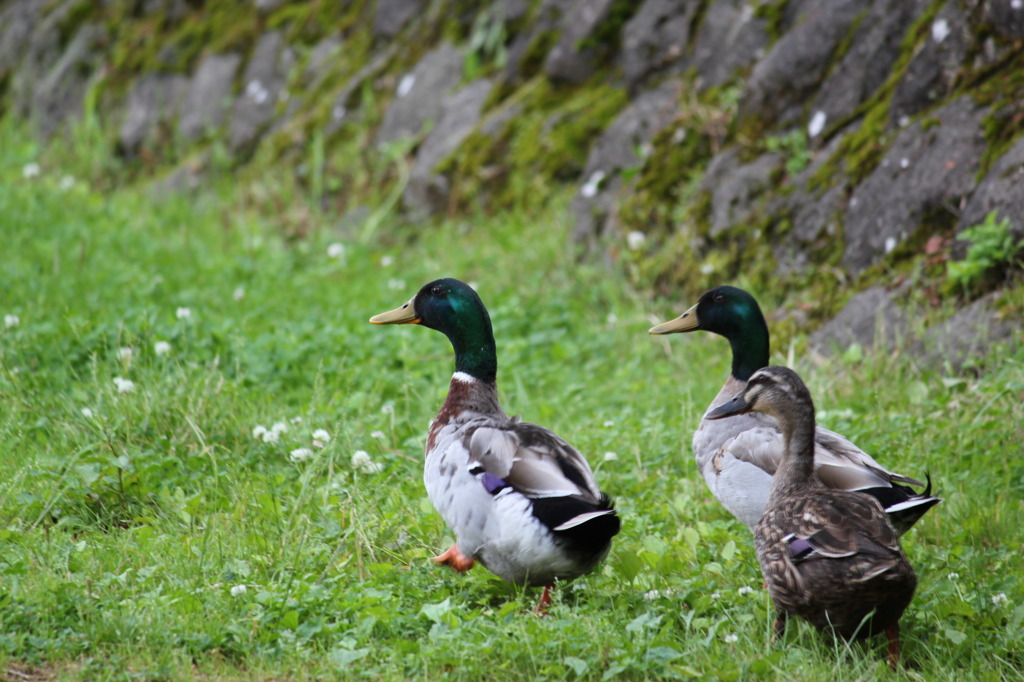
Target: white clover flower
{"x": 300, "y": 455}
{"x": 593, "y": 183}
{"x": 87, "y": 413}
{"x": 715, "y": 595}
{"x": 336, "y": 250}
{"x": 1000, "y": 599}
{"x": 817, "y": 123}
{"x": 611, "y": 320}
{"x": 183, "y": 313}
{"x": 30, "y": 170}
{"x": 161, "y": 347}
{"x": 322, "y": 435}
{"x": 255, "y": 91}
{"x": 279, "y": 427}
{"x": 405, "y": 85}
{"x": 396, "y": 284}
{"x": 953, "y": 576}
{"x": 745, "y": 590}
{"x": 940, "y": 30}
{"x": 379, "y": 435}
{"x": 609, "y": 423}
{"x": 388, "y": 408}
{"x": 259, "y": 431}
{"x": 635, "y": 239}
{"x": 11, "y": 321}
{"x": 66, "y": 182}
{"x": 124, "y": 353}
{"x": 362, "y": 462}
{"x": 610, "y": 456}
{"x": 730, "y": 638}
{"x": 706, "y": 268}
{"x": 238, "y": 294}
{"x": 238, "y": 590}
{"x": 386, "y": 261}
{"x": 271, "y": 436}
{"x": 124, "y": 385}
{"x": 652, "y": 595}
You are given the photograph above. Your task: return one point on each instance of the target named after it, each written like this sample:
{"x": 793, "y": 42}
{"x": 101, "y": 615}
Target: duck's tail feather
{"x": 903, "y": 504}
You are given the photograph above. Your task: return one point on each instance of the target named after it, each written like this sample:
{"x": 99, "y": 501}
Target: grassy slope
{"x": 122, "y": 534}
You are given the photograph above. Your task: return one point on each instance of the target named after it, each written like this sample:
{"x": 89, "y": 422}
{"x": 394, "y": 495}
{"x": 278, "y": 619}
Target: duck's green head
{"x": 734, "y": 314}
{"x": 454, "y": 309}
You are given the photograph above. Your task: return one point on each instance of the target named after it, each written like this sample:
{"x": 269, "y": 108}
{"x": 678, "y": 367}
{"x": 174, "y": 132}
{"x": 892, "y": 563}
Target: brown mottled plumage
{"x": 830, "y": 556}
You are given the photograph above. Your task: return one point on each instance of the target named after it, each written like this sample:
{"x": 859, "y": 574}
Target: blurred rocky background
{"x": 845, "y": 155}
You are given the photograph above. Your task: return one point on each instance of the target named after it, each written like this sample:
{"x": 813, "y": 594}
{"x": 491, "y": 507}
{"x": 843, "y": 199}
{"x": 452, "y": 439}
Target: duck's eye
{"x": 719, "y": 298}
{"x": 436, "y": 290}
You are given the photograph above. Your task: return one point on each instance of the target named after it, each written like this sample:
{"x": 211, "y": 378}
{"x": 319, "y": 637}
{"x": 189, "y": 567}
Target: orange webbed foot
{"x": 545, "y": 601}
{"x": 455, "y": 559}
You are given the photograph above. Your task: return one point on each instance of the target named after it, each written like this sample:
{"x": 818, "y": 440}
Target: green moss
{"x": 548, "y": 141}
{"x": 773, "y": 13}
{"x": 999, "y": 88}
{"x": 860, "y": 151}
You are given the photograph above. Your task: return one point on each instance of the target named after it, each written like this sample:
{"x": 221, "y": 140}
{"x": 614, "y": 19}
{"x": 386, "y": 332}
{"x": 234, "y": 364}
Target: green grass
{"x": 125, "y": 535}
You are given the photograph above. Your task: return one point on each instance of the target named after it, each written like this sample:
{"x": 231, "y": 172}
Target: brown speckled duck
{"x": 519, "y": 499}
{"x": 737, "y": 457}
{"x": 830, "y": 556}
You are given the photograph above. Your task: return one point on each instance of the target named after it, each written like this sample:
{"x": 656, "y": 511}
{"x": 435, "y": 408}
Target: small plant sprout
{"x": 361, "y": 462}
{"x": 11, "y": 321}
{"x": 124, "y": 385}
{"x": 162, "y": 347}
{"x": 992, "y": 247}
{"x": 183, "y": 313}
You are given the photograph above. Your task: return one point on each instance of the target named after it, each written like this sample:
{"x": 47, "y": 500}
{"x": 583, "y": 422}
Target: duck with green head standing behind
{"x": 738, "y": 457}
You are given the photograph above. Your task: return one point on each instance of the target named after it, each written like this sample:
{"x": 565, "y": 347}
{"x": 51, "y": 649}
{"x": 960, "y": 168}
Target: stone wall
{"x": 774, "y": 140}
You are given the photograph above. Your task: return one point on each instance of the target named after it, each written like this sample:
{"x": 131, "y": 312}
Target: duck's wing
{"x": 533, "y": 461}
{"x": 838, "y": 462}
{"x": 841, "y": 464}
{"x": 835, "y": 524}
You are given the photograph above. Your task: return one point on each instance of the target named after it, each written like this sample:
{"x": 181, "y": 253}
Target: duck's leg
{"x": 456, "y": 559}
{"x": 545, "y": 601}
{"x": 892, "y": 633}
{"x": 779, "y": 625}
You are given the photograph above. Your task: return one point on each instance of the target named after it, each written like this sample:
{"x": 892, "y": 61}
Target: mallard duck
{"x": 830, "y": 556}
{"x": 739, "y": 456}
{"x": 519, "y": 499}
